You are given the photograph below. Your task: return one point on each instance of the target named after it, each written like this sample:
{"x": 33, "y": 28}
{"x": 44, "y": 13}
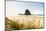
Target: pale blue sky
{"x": 14, "y": 8}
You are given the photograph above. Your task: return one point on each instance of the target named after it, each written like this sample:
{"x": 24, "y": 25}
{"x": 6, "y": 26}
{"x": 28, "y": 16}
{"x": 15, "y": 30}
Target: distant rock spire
{"x": 27, "y": 12}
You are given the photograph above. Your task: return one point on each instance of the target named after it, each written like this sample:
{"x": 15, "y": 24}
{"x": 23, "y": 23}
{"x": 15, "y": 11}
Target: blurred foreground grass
{"x": 12, "y": 25}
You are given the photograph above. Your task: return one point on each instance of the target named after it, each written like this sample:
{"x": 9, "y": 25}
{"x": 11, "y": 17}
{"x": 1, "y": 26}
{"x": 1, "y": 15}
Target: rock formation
{"x": 27, "y": 12}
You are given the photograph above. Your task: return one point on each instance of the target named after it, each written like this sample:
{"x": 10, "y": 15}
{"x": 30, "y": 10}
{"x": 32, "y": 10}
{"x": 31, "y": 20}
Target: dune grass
{"x": 12, "y": 25}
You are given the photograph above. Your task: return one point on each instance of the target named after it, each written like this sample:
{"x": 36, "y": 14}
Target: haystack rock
{"x": 27, "y": 12}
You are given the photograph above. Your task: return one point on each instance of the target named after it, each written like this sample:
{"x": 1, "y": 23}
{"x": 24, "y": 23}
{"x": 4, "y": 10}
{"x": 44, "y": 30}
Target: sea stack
{"x": 27, "y": 12}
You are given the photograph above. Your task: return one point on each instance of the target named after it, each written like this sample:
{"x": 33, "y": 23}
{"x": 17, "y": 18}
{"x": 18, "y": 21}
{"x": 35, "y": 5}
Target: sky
{"x": 13, "y": 8}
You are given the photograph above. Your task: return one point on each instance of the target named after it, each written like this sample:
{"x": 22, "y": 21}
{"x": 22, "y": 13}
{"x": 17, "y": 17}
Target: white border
{"x": 1, "y": 15}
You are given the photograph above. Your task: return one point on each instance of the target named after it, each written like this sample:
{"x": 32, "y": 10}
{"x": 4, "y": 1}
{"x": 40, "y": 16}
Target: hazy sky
{"x": 14, "y": 8}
